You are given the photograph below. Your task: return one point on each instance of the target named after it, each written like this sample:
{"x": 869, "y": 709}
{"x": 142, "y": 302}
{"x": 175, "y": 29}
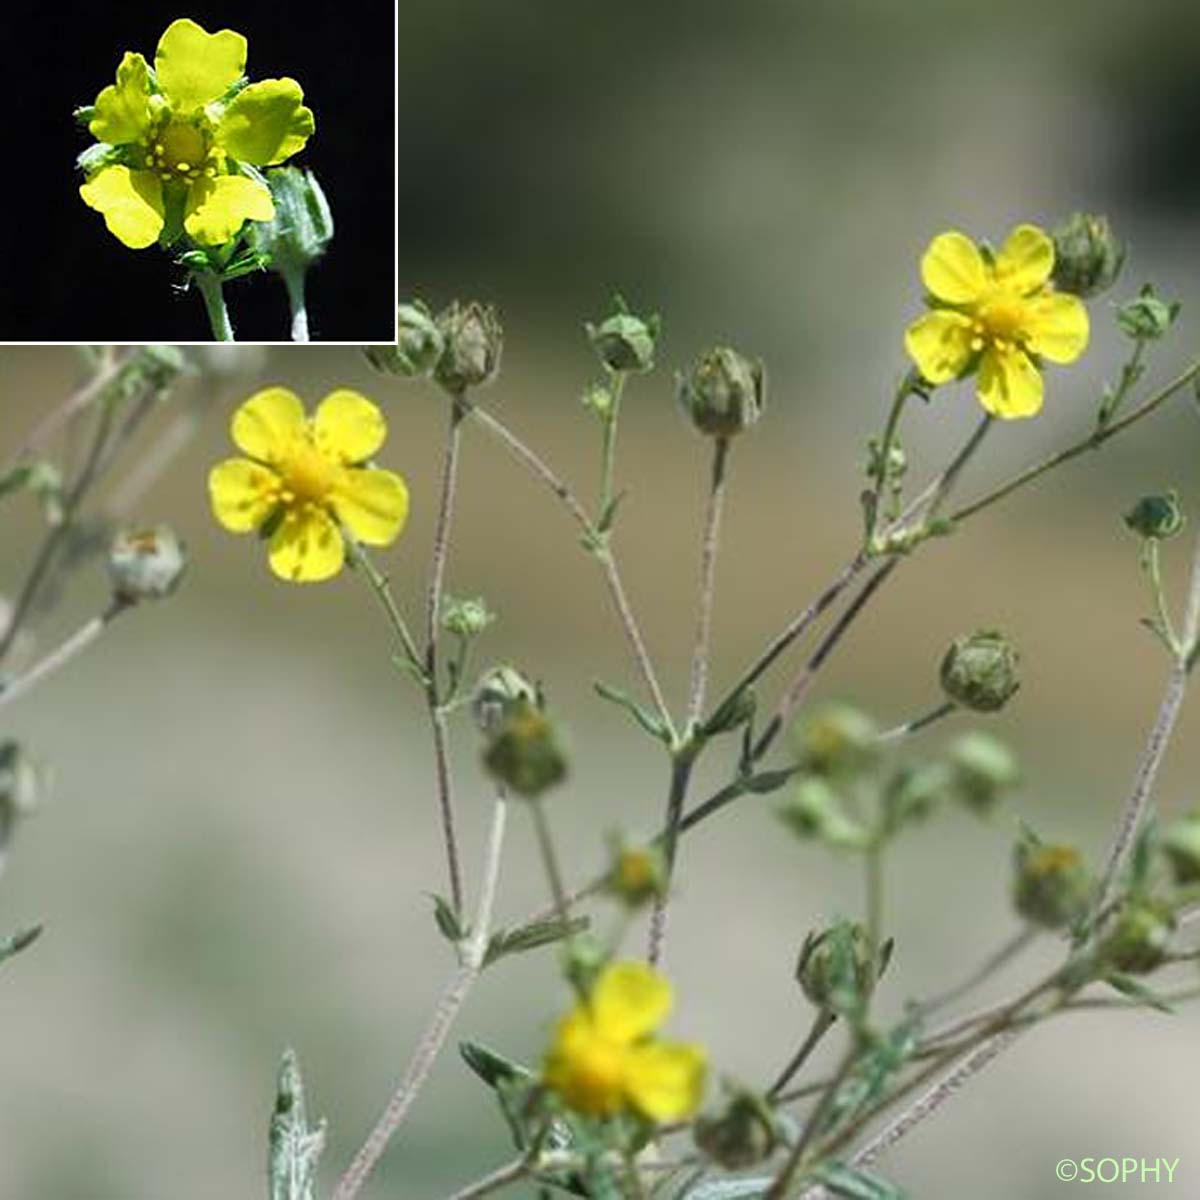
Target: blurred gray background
{"x": 241, "y": 836}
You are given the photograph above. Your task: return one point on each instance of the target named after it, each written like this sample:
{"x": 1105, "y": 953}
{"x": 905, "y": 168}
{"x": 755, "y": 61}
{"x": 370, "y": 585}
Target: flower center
{"x": 180, "y": 150}
{"x": 1001, "y": 318}
{"x": 597, "y": 1074}
{"x": 307, "y": 474}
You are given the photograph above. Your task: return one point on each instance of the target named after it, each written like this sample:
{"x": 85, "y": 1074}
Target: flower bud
{"x": 742, "y": 1134}
{"x": 473, "y": 341}
{"x": 302, "y": 227}
{"x": 1053, "y": 884}
{"x": 1087, "y": 255}
{"x": 1147, "y": 318}
{"x": 466, "y": 618}
{"x": 913, "y": 793}
{"x": 1181, "y": 844}
{"x": 624, "y": 342}
{"x": 815, "y": 811}
{"x": 835, "y": 968}
{"x": 146, "y": 564}
{"x": 895, "y": 467}
{"x": 498, "y": 690}
{"x": 1140, "y": 939}
{"x": 19, "y": 787}
{"x": 979, "y": 671}
{"x": 981, "y": 770}
{"x": 155, "y": 366}
{"x": 637, "y": 876}
{"x": 835, "y": 739}
{"x": 1159, "y": 517}
{"x": 525, "y": 754}
{"x": 599, "y": 398}
{"x": 723, "y": 393}
{"x": 418, "y": 346}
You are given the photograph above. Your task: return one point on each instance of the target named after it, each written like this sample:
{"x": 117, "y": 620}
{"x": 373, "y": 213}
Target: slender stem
{"x": 381, "y": 586}
{"x": 444, "y": 1014}
{"x": 822, "y": 1023}
{"x": 603, "y": 553}
{"x": 445, "y": 793}
{"x": 54, "y": 539}
{"x": 75, "y": 645}
{"x": 562, "y": 904}
{"x": 209, "y": 285}
{"x": 708, "y": 570}
{"x": 1092, "y": 442}
{"x": 681, "y": 773}
{"x": 800, "y": 685}
{"x": 500, "y": 1178}
{"x": 916, "y": 724}
{"x": 891, "y": 425}
{"x": 608, "y": 443}
{"x": 294, "y": 282}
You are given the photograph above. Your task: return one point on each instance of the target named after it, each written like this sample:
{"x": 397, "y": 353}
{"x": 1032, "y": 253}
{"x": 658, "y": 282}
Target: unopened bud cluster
{"x": 460, "y": 347}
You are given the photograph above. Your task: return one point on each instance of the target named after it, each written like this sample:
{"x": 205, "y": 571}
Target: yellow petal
{"x": 194, "y": 67}
{"x": 266, "y": 425}
{"x": 953, "y": 269}
{"x": 629, "y": 1001}
{"x": 1056, "y": 327}
{"x": 131, "y": 202}
{"x": 266, "y": 123}
{"x": 1010, "y": 386}
{"x": 665, "y": 1081}
{"x": 217, "y": 208}
{"x": 348, "y": 426}
{"x": 1025, "y": 260}
{"x": 123, "y": 108}
{"x": 243, "y": 494}
{"x": 585, "y": 1069}
{"x": 940, "y": 344}
{"x": 372, "y": 504}
{"x": 307, "y": 546}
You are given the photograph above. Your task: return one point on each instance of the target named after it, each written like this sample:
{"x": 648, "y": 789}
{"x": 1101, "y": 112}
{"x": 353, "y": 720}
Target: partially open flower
{"x": 605, "y": 1058}
{"x": 305, "y": 478}
{"x": 1052, "y": 885}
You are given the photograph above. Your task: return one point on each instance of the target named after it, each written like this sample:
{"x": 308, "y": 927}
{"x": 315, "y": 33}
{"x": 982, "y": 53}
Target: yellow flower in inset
{"x": 305, "y": 480}
{"x": 997, "y": 314}
{"x": 604, "y": 1058}
{"x": 172, "y": 140}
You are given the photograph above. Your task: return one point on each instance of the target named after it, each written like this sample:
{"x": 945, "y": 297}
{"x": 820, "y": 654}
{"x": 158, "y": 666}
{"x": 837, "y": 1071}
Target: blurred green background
{"x": 241, "y": 837}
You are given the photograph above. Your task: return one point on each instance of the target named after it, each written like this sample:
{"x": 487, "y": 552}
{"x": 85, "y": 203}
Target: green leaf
{"x": 19, "y": 941}
{"x": 490, "y": 1065}
{"x": 294, "y": 1148}
{"x": 1138, "y": 991}
{"x": 730, "y": 1189}
{"x": 856, "y": 1184}
{"x": 646, "y": 719}
{"x": 448, "y": 921}
{"x": 609, "y": 515}
{"x": 531, "y": 937}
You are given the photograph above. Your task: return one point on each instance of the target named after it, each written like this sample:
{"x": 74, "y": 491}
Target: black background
{"x": 68, "y": 279}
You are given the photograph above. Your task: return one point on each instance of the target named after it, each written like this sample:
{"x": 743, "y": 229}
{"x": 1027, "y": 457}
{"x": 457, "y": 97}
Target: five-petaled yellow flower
{"x": 604, "y": 1058}
{"x": 305, "y": 481}
{"x": 177, "y": 134}
{"x": 998, "y": 314}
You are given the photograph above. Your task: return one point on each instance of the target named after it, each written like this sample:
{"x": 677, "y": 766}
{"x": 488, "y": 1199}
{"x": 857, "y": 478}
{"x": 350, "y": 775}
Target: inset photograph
{"x": 215, "y": 174}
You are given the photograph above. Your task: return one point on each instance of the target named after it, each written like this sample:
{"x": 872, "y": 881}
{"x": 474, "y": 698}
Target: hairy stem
{"x": 708, "y": 571}
{"x": 211, "y": 292}
{"x": 681, "y": 774}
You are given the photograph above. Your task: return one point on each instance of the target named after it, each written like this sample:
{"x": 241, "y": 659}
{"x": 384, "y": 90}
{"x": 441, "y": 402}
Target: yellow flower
{"x": 172, "y": 140}
{"x": 304, "y": 480}
{"x": 604, "y": 1058}
{"x": 997, "y": 314}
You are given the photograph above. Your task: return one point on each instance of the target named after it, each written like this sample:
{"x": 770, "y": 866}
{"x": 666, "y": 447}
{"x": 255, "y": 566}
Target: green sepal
{"x": 21, "y": 940}
{"x": 646, "y": 719}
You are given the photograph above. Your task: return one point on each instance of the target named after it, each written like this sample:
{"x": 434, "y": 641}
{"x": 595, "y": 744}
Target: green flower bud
{"x": 1087, "y": 255}
{"x": 981, "y": 769}
{"x": 1140, "y": 940}
{"x": 814, "y": 811}
{"x": 835, "y": 968}
{"x": 914, "y": 792}
{"x": 638, "y": 874}
{"x": 893, "y": 469}
{"x": 1157, "y": 517}
{"x": 1181, "y": 844}
{"x": 1147, "y": 318}
{"x": 525, "y": 754}
{"x": 20, "y": 784}
{"x": 302, "y": 227}
{"x": 599, "y": 399}
{"x": 155, "y": 366}
{"x": 418, "y": 346}
{"x": 498, "y": 691}
{"x": 146, "y": 564}
{"x": 979, "y": 671}
{"x": 466, "y": 618}
{"x": 473, "y": 342}
{"x": 1053, "y": 884}
{"x": 624, "y": 342}
{"x": 742, "y": 1134}
{"x": 835, "y": 739}
{"x": 723, "y": 393}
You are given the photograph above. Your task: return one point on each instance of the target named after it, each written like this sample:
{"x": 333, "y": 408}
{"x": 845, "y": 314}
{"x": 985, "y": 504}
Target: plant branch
{"x": 708, "y": 568}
